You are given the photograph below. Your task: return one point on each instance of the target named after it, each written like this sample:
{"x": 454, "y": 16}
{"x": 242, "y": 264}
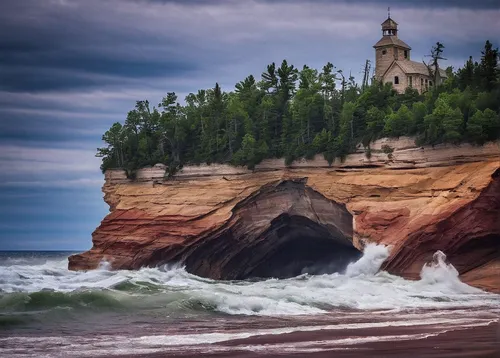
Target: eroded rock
{"x": 231, "y": 223}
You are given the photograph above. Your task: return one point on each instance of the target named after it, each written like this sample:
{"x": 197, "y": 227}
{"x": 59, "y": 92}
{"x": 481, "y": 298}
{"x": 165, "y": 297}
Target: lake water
{"x": 48, "y": 311}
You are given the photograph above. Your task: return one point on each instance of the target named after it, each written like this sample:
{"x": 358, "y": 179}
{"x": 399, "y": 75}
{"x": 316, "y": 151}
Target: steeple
{"x": 390, "y": 35}
{"x": 389, "y": 26}
{"x": 389, "y": 47}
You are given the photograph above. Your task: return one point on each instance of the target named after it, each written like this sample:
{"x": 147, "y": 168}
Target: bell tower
{"x": 389, "y": 26}
{"x": 389, "y": 48}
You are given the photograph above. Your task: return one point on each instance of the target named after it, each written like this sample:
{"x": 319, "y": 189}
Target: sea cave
{"x": 284, "y": 230}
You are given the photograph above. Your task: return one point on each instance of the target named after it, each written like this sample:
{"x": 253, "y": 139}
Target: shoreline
{"x": 474, "y": 342}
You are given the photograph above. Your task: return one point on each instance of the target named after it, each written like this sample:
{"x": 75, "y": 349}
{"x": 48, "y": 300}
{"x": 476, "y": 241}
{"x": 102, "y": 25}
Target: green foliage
{"x": 292, "y": 114}
{"x": 248, "y": 152}
{"x": 484, "y": 126}
{"x": 452, "y": 126}
{"x": 419, "y": 110}
{"x": 489, "y": 70}
{"x": 444, "y": 124}
{"x": 487, "y": 100}
{"x": 399, "y": 123}
{"x": 375, "y": 122}
{"x": 321, "y": 140}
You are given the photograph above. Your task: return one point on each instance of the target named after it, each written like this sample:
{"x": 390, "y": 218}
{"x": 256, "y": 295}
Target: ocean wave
{"x": 50, "y": 285}
{"x": 42, "y": 300}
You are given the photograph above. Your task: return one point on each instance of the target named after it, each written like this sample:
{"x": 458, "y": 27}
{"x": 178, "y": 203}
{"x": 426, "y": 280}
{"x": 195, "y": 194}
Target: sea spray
{"x": 104, "y": 265}
{"x": 369, "y": 264}
{"x": 440, "y": 273}
{"x": 47, "y": 310}
{"x": 171, "y": 290}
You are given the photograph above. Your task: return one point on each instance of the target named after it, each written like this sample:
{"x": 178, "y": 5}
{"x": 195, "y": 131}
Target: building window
{"x": 384, "y": 52}
{"x": 421, "y": 82}
{"x": 396, "y": 80}
{"x": 406, "y": 53}
{"x": 430, "y": 83}
{"x": 410, "y": 81}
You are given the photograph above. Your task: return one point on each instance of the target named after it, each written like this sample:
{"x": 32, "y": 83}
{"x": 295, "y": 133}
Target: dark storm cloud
{"x": 151, "y": 47}
{"x": 46, "y": 72}
{"x": 70, "y": 68}
{"x": 25, "y": 127}
{"x": 395, "y": 4}
{"x": 57, "y": 45}
{"x": 42, "y": 39}
{"x": 479, "y": 4}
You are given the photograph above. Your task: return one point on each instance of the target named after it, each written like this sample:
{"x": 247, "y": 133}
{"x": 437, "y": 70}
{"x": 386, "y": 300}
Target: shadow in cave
{"x": 282, "y": 230}
{"x": 475, "y": 253}
{"x": 304, "y": 247}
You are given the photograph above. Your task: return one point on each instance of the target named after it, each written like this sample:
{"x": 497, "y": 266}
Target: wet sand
{"x": 480, "y": 342}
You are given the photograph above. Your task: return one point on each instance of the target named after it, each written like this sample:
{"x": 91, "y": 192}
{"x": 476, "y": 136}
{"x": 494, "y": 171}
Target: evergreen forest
{"x": 293, "y": 113}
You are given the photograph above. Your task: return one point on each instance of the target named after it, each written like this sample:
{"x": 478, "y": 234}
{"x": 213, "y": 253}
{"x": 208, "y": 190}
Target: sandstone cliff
{"x": 231, "y": 223}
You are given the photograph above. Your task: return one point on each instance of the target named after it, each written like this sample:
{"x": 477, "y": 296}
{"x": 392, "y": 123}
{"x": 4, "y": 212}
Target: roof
{"x": 411, "y": 67}
{"x": 392, "y": 40}
{"x": 389, "y": 24}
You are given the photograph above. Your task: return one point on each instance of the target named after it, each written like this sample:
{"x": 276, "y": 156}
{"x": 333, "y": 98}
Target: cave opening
{"x": 283, "y": 230}
{"x": 302, "y": 246}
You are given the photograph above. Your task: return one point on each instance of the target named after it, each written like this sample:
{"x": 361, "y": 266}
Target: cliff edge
{"x": 224, "y": 222}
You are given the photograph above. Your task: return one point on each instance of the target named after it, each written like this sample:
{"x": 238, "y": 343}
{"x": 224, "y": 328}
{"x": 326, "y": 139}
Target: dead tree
{"x": 433, "y": 65}
{"x": 366, "y": 75}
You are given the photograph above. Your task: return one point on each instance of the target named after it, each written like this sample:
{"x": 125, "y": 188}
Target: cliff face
{"x": 230, "y": 223}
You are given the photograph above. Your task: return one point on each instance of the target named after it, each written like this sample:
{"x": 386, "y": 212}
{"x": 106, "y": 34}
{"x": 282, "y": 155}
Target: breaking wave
{"x": 28, "y": 286}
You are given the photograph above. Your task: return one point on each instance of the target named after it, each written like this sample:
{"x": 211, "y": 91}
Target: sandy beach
{"x": 474, "y": 342}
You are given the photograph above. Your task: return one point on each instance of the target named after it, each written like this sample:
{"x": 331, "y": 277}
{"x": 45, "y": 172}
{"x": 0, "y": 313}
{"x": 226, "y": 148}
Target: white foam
{"x": 361, "y": 287}
{"x": 439, "y": 273}
{"x": 118, "y": 345}
{"x": 209, "y": 338}
{"x": 318, "y": 346}
{"x": 369, "y": 264}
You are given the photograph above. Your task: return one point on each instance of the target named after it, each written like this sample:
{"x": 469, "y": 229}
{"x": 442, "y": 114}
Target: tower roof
{"x": 389, "y": 24}
{"x": 392, "y": 41}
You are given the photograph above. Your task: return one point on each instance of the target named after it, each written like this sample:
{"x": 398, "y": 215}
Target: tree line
{"x": 294, "y": 113}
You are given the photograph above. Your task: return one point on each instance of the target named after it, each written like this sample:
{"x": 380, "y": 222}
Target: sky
{"x": 71, "y": 68}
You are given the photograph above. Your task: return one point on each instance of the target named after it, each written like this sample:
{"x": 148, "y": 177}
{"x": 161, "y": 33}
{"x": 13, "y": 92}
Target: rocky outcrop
{"x": 231, "y": 223}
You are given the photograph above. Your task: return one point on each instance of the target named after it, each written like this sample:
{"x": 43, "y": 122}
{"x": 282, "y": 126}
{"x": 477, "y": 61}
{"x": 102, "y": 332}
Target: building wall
{"x": 403, "y": 79}
{"x": 400, "y": 55}
{"x": 383, "y": 61}
{"x": 416, "y": 82}
{"x": 421, "y": 83}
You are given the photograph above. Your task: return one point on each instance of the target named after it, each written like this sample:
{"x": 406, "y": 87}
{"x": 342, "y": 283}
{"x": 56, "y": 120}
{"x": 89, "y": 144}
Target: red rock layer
{"x": 228, "y": 223}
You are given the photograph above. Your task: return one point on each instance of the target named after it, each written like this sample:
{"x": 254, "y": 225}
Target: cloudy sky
{"x": 70, "y": 68}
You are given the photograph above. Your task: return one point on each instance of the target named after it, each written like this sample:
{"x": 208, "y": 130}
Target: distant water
{"x": 47, "y": 310}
